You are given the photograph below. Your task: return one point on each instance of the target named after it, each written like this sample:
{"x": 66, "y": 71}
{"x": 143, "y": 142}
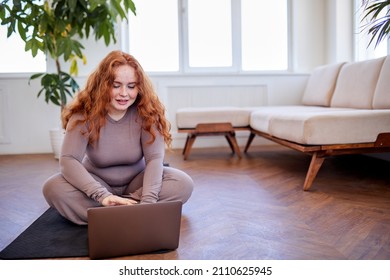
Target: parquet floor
{"x": 249, "y": 208}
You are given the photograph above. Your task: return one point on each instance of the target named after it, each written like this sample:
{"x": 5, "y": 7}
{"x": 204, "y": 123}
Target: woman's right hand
{"x": 113, "y": 200}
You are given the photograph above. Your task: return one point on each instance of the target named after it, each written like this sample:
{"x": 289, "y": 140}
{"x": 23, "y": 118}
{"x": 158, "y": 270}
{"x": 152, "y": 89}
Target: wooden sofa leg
{"x": 231, "y": 138}
{"x": 249, "y": 142}
{"x": 229, "y": 142}
{"x": 190, "y": 141}
{"x": 315, "y": 165}
{"x": 186, "y": 144}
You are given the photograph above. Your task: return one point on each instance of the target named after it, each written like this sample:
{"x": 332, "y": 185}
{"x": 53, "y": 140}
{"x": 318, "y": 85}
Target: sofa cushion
{"x": 356, "y": 84}
{"x": 321, "y": 84}
{"x": 191, "y": 116}
{"x": 260, "y": 119}
{"x": 382, "y": 90}
{"x": 342, "y": 126}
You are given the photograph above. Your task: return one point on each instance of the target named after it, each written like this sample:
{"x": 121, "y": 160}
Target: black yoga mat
{"x": 50, "y": 236}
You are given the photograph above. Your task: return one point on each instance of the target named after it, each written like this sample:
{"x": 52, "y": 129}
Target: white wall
{"x": 339, "y": 34}
{"x": 308, "y": 31}
{"x": 234, "y": 90}
{"x": 317, "y": 39}
{"x": 26, "y": 119}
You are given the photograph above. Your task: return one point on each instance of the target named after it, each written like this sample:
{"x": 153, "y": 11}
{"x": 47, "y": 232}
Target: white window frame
{"x": 236, "y": 42}
{"x": 236, "y": 68}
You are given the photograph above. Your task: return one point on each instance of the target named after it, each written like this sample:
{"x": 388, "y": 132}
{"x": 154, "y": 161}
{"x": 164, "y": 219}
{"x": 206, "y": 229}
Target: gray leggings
{"x": 73, "y": 204}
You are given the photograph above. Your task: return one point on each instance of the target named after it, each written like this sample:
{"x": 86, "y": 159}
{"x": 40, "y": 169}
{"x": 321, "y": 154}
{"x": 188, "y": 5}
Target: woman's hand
{"x": 113, "y": 200}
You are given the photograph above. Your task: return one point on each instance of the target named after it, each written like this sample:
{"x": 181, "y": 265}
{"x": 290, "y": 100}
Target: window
{"x": 203, "y": 35}
{"x": 154, "y": 39}
{"x": 209, "y": 33}
{"x": 264, "y": 35}
{"x": 13, "y": 57}
{"x": 362, "y": 38}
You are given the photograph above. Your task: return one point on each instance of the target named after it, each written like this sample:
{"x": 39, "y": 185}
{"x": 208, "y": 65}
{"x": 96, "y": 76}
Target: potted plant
{"x": 377, "y": 13}
{"x": 55, "y": 27}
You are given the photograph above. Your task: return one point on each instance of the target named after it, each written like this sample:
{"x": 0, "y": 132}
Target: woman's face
{"x": 124, "y": 91}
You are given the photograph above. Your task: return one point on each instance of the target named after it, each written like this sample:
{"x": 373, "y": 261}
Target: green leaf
{"x": 378, "y": 27}
{"x": 47, "y": 80}
{"x": 84, "y": 3}
{"x": 33, "y": 45}
{"x": 11, "y": 29}
{"x": 72, "y": 5}
{"x": 129, "y": 4}
{"x": 95, "y": 3}
{"x": 35, "y": 76}
{"x": 77, "y": 47}
{"x": 40, "y": 92}
{"x": 75, "y": 87}
{"x": 73, "y": 68}
{"x": 28, "y": 45}
{"x": 106, "y": 33}
{"x": 17, "y": 4}
{"x": 21, "y": 30}
{"x": 117, "y": 6}
{"x": 2, "y": 13}
{"x": 87, "y": 28}
{"x": 54, "y": 100}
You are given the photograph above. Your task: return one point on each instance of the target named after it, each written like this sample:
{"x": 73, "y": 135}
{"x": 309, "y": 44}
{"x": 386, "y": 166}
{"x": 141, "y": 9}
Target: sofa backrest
{"x": 382, "y": 92}
{"x": 356, "y": 84}
{"x": 321, "y": 84}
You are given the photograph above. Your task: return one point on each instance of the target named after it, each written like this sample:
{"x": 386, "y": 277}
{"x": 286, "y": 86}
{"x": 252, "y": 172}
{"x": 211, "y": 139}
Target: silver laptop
{"x": 116, "y": 231}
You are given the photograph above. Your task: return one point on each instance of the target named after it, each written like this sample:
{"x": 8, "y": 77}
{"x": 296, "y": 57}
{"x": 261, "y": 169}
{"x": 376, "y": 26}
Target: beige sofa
{"x": 345, "y": 109}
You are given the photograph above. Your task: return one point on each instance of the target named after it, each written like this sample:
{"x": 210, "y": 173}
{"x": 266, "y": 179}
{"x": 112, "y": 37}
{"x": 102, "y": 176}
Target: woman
{"x": 114, "y": 145}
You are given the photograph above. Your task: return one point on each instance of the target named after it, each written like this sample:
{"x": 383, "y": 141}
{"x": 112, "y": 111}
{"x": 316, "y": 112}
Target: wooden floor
{"x": 248, "y": 208}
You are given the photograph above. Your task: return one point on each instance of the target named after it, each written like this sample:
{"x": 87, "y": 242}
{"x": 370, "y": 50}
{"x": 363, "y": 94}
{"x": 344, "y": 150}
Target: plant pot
{"x": 56, "y": 139}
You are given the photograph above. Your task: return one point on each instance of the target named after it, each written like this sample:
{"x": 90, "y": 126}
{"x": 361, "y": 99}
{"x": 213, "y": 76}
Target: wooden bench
{"x": 212, "y": 121}
{"x": 212, "y": 129}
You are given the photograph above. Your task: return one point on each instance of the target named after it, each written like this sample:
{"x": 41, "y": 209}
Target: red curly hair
{"x": 93, "y": 101}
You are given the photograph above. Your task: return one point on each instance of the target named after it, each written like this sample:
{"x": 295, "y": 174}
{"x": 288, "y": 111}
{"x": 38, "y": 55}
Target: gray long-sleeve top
{"x": 120, "y": 153}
